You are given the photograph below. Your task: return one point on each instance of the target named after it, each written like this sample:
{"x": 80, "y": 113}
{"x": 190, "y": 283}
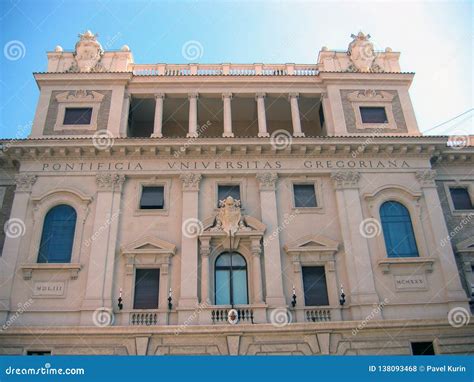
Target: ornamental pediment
{"x": 312, "y": 244}
{"x": 149, "y": 245}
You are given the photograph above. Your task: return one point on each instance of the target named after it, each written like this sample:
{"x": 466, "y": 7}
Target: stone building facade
{"x": 233, "y": 209}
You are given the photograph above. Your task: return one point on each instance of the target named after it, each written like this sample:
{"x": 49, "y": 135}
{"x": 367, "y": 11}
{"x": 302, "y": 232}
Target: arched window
{"x": 231, "y": 279}
{"x": 398, "y": 230}
{"x": 58, "y": 235}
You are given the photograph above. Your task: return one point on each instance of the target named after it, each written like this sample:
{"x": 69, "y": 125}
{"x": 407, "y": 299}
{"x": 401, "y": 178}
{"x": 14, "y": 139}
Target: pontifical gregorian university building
{"x": 234, "y": 209}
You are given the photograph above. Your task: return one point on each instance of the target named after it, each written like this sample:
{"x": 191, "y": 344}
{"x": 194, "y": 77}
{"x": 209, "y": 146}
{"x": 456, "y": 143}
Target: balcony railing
{"x": 224, "y": 70}
{"x": 144, "y": 318}
{"x": 220, "y": 316}
{"x": 317, "y": 315}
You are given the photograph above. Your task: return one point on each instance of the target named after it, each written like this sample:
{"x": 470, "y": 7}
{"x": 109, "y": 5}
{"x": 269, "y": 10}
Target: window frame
{"x": 381, "y": 99}
{"x": 44, "y": 203}
{"x": 229, "y": 181}
{"x": 77, "y": 108}
{"x": 318, "y": 190}
{"x": 361, "y": 108}
{"x": 296, "y": 184}
{"x": 246, "y": 268}
{"x": 469, "y": 185}
{"x": 323, "y": 266}
{"x": 166, "y": 184}
{"x": 411, "y": 226}
{"x": 412, "y": 201}
{"x": 141, "y": 267}
{"x": 224, "y": 184}
{"x": 77, "y": 99}
{"x": 74, "y": 235}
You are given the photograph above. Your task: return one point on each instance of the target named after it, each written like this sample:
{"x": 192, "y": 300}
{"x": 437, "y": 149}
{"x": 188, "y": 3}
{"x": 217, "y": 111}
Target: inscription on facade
{"x": 203, "y": 165}
{"x": 410, "y": 282}
{"x": 49, "y": 288}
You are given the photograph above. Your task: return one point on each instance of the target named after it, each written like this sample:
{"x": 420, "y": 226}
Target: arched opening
{"x": 231, "y": 286}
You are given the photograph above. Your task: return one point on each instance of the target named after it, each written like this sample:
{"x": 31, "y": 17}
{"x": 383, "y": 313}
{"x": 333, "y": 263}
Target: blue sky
{"x": 435, "y": 39}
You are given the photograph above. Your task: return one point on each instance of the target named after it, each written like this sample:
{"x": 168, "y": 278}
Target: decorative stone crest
{"x": 267, "y": 181}
{"x": 109, "y": 182}
{"x": 362, "y": 55}
{"x": 190, "y": 181}
{"x": 426, "y": 177}
{"x": 229, "y": 218}
{"x": 25, "y": 182}
{"x": 370, "y": 95}
{"x": 88, "y": 54}
{"x": 80, "y": 95}
{"x": 345, "y": 179}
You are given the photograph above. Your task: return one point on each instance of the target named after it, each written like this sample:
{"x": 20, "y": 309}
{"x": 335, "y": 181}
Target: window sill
{"x": 72, "y": 268}
{"x": 152, "y": 212}
{"x": 462, "y": 212}
{"x": 307, "y": 210}
{"x": 387, "y": 264}
{"x": 89, "y": 127}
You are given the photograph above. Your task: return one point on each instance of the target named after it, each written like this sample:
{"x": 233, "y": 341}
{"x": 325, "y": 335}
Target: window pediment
{"x": 312, "y": 244}
{"x": 148, "y": 250}
{"x": 149, "y": 245}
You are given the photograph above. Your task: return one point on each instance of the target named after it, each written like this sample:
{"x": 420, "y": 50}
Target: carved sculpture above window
{"x": 229, "y": 218}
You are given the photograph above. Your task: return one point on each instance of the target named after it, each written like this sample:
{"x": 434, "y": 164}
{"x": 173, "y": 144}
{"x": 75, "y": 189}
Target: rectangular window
{"x": 422, "y": 348}
{"x": 315, "y": 289}
{"x": 373, "y": 114}
{"x": 152, "y": 198}
{"x": 77, "y": 116}
{"x": 223, "y": 191}
{"x": 461, "y": 198}
{"x": 147, "y": 285}
{"x": 305, "y": 195}
{"x": 38, "y": 352}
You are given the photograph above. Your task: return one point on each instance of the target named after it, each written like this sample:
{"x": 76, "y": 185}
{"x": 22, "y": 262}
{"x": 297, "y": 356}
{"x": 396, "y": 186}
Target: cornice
{"x": 341, "y": 147}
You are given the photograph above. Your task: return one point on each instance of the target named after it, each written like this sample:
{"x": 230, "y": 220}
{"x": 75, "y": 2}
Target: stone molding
{"x": 190, "y": 181}
{"x": 345, "y": 179}
{"x": 267, "y": 181}
{"x": 25, "y": 182}
{"x": 110, "y": 182}
{"x": 426, "y": 178}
